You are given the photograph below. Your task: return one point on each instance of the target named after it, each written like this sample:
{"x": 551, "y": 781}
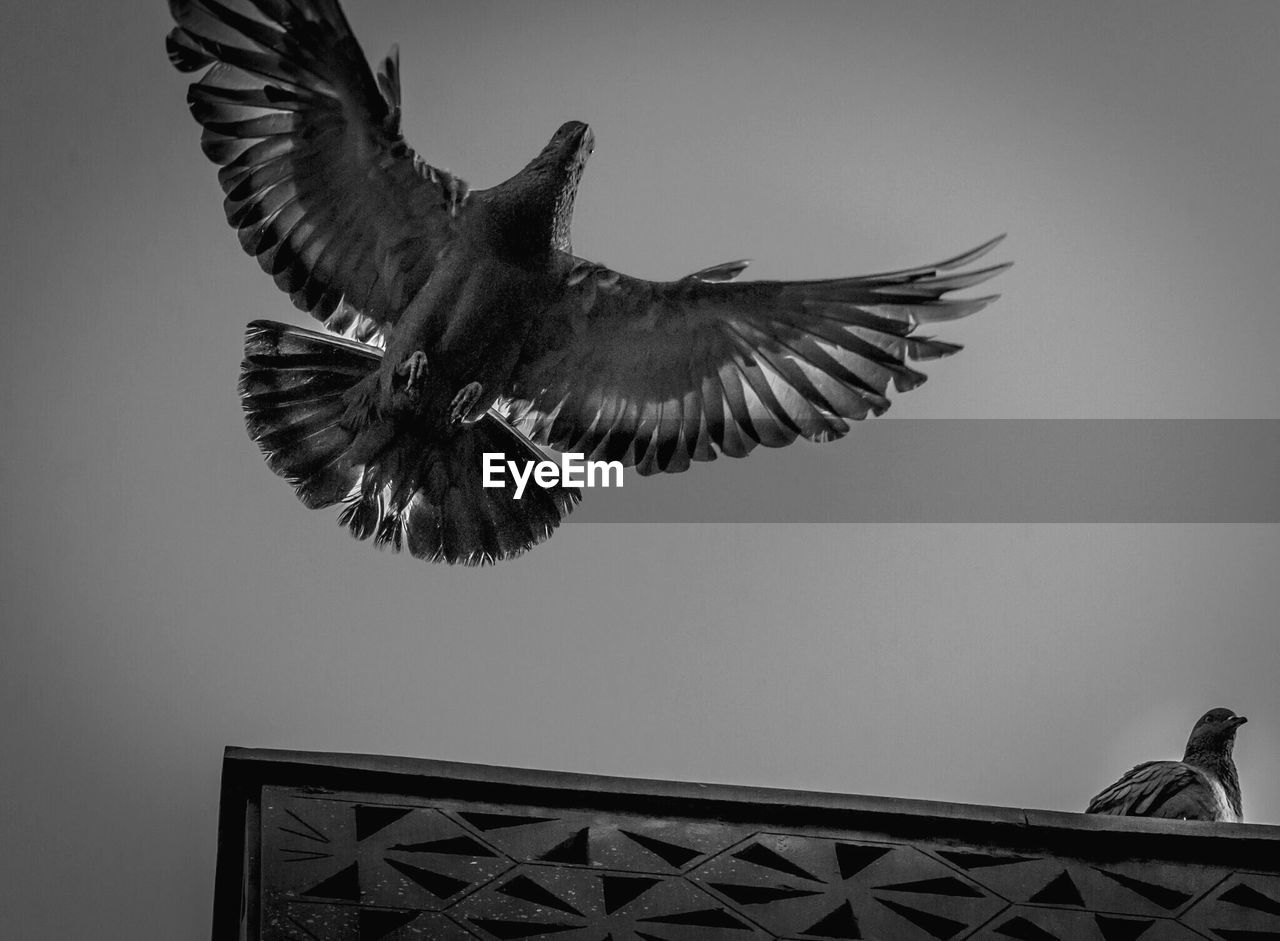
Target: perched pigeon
{"x": 1202, "y": 786}
{"x": 479, "y": 330}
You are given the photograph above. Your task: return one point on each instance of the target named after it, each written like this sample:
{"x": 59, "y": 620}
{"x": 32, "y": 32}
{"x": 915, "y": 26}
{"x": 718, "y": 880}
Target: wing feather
{"x": 1151, "y": 789}
{"x": 661, "y": 374}
{"x": 319, "y": 183}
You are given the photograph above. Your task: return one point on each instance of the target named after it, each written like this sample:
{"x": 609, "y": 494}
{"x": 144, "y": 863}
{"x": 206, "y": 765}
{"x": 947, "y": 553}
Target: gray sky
{"x": 166, "y": 595}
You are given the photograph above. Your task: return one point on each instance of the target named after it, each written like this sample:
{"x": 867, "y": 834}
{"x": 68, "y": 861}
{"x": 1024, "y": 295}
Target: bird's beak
{"x": 1238, "y": 721}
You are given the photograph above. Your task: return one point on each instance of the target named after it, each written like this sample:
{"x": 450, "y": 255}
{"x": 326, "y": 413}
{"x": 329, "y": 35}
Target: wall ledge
{"x": 322, "y": 846}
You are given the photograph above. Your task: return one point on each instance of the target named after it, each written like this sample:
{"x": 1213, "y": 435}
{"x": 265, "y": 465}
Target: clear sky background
{"x": 165, "y": 595}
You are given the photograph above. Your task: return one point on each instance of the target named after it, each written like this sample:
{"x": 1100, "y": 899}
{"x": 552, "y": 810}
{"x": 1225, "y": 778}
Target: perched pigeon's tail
{"x": 410, "y": 485}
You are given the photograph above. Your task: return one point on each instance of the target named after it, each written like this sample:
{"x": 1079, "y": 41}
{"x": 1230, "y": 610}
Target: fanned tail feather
{"x": 414, "y": 486}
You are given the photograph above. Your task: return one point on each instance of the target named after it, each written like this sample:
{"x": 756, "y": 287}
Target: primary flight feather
{"x": 477, "y": 328}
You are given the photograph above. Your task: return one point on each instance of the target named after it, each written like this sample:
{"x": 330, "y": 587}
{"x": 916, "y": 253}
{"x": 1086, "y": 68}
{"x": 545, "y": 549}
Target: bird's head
{"x": 572, "y": 143}
{"x": 538, "y": 201}
{"x": 566, "y": 157}
{"x": 534, "y": 207}
{"x": 1215, "y": 730}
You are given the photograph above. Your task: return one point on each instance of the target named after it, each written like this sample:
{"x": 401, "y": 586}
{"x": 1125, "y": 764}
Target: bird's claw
{"x": 414, "y": 369}
{"x": 456, "y": 189}
{"x": 458, "y": 192}
{"x": 463, "y": 402}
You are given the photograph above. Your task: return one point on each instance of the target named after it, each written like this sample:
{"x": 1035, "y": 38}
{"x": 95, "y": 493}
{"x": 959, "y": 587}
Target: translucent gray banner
{"x": 978, "y": 471}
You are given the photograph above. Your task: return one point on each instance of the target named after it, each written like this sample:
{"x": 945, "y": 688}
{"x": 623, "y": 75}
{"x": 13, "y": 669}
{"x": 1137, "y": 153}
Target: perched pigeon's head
{"x": 1216, "y": 730}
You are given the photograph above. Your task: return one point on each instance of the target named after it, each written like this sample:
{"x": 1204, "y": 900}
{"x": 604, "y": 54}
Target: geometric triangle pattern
{"x": 1245, "y": 907}
{"x": 1060, "y": 891}
{"x": 378, "y": 923}
{"x": 1167, "y": 898}
{"x": 636, "y": 845}
{"x": 523, "y": 888}
{"x": 1020, "y": 929}
{"x": 673, "y": 854}
{"x": 936, "y": 925}
{"x": 457, "y": 846}
{"x": 369, "y": 820}
{"x": 378, "y": 856}
{"x": 853, "y": 859}
{"x": 574, "y": 851}
{"x": 622, "y": 890}
{"x": 307, "y": 921}
{"x": 344, "y": 885}
{"x": 839, "y": 923}
{"x": 810, "y": 887}
{"x": 365, "y": 866}
{"x": 578, "y": 904}
{"x": 967, "y": 861}
{"x": 437, "y": 883}
{"x": 1245, "y": 896}
{"x": 1122, "y": 929}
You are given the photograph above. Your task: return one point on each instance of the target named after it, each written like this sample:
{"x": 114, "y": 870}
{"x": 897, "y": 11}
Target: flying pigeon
{"x": 460, "y": 321}
{"x": 1202, "y": 786}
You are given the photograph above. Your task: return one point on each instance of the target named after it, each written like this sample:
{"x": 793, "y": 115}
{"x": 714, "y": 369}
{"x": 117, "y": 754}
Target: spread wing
{"x": 659, "y": 374}
{"x": 320, "y": 185}
{"x": 1159, "y": 789}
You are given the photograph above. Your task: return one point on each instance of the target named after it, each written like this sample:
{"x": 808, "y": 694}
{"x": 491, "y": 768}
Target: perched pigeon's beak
{"x": 1237, "y": 721}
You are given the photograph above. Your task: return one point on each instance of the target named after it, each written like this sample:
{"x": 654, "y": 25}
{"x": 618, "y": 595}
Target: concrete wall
{"x": 326, "y": 847}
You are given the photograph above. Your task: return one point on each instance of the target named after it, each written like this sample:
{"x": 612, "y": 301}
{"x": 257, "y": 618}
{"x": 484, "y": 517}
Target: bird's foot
{"x": 463, "y": 402}
{"x": 458, "y": 191}
{"x": 455, "y": 189}
{"x": 414, "y": 369}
